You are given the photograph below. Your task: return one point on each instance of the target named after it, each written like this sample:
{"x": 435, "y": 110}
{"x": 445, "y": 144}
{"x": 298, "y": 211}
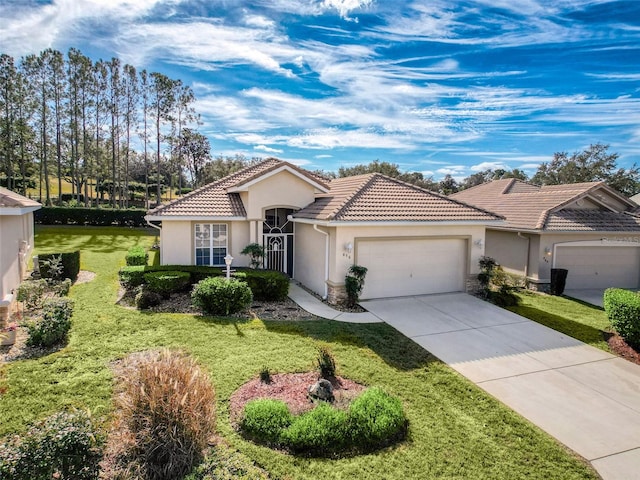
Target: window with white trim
{"x": 210, "y": 243}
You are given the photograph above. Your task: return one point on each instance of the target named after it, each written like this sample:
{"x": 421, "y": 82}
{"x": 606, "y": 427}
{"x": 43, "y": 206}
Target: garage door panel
{"x": 600, "y": 266}
{"x": 412, "y": 267}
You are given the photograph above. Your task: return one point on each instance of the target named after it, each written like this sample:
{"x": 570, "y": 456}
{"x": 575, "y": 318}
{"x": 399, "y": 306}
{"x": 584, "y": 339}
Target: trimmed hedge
{"x": 623, "y": 310}
{"x": 70, "y": 264}
{"x": 137, "y": 255}
{"x": 266, "y": 285}
{"x": 219, "y": 296}
{"x": 166, "y": 283}
{"x": 90, "y": 216}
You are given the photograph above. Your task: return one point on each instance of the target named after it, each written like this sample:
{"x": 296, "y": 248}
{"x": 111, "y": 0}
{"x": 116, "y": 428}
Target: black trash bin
{"x": 558, "y": 280}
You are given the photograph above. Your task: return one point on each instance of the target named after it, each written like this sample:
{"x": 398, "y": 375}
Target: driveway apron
{"x": 586, "y": 398}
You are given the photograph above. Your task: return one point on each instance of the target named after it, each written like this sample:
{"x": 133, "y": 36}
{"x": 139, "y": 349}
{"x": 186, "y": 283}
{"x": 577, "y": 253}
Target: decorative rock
{"x": 321, "y": 390}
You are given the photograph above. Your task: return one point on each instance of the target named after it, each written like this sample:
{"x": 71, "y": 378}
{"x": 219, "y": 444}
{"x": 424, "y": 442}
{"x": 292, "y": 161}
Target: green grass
{"x": 456, "y": 430}
{"x": 579, "y": 320}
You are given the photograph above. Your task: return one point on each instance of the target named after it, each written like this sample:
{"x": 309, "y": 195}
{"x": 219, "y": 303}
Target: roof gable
{"x": 377, "y": 198}
{"x": 12, "y": 203}
{"x": 222, "y": 198}
{"x": 530, "y": 206}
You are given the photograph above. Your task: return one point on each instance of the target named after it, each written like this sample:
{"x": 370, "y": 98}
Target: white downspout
{"x": 159, "y": 230}
{"x": 326, "y": 260}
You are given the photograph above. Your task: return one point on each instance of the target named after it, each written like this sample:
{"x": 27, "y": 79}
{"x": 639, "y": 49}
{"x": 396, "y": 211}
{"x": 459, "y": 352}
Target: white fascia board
{"x": 207, "y": 218}
{"x": 399, "y": 223}
{"x": 17, "y": 210}
{"x": 245, "y": 186}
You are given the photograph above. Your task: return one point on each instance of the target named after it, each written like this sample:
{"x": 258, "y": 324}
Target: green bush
{"x": 53, "y": 325}
{"x": 90, "y": 216}
{"x": 70, "y": 265}
{"x": 318, "y": 432}
{"x": 31, "y": 292}
{"x": 376, "y": 418}
{"x": 373, "y": 420}
{"x": 137, "y": 255}
{"x": 623, "y": 310}
{"x": 265, "y": 419}
{"x": 65, "y": 446}
{"x": 165, "y": 415}
{"x": 131, "y": 277}
{"x": 166, "y": 283}
{"x": 145, "y": 298}
{"x": 354, "y": 283}
{"x": 219, "y": 296}
{"x": 226, "y": 463}
{"x": 326, "y": 362}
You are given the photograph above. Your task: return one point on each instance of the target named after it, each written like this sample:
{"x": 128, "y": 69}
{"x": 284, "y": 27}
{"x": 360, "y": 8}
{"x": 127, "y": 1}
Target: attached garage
{"x": 600, "y": 266}
{"x": 412, "y": 266}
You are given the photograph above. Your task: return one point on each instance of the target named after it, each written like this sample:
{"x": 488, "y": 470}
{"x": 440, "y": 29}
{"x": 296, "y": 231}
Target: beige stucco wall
{"x": 340, "y": 261}
{"x": 309, "y": 257}
{"x": 280, "y": 190}
{"x": 14, "y": 254}
{"x": 177, "y": 242}
{"x": 513, "y": 253}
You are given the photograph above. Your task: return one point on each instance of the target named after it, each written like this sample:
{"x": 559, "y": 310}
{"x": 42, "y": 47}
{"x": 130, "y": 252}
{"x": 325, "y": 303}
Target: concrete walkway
{"x": 586, "y": 398}
{"x": 320, "y": 309}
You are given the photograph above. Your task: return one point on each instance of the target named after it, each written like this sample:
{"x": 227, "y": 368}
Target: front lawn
{"x": 579, "y": 320}
{"x": 456, "y": 430}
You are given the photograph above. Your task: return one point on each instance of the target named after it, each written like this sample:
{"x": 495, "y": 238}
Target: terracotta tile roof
{"x": 9, "y": 198}
{"x": 214, "y": 199}
{"x": 375, "y": 197}
{"x": 592, "y": 220}
{"x": 533, "y": 207}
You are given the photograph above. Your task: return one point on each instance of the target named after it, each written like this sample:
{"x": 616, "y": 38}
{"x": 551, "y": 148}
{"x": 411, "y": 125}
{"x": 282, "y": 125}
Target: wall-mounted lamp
{"x": 547, "y": 251}
{"x": 348, "y": 247}
{"x": 478, "y": 243}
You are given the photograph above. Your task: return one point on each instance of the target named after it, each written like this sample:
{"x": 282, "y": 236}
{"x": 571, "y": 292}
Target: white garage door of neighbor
{"x": 600, "y": 267}
{"x": 412, "y": 267}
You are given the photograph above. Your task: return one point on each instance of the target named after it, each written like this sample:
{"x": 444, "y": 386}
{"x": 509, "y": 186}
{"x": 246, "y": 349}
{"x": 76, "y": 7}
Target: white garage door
{"x": 600, "y": 267}
{"x": 402, "y": 267}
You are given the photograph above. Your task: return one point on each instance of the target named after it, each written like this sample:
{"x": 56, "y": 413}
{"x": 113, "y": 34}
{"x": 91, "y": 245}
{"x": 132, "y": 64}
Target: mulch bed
{"x": 623, "y": 349}
{"x": 291, "y": 388}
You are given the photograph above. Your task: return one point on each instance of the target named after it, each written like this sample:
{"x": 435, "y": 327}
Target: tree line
{"x": 108, "y": 129}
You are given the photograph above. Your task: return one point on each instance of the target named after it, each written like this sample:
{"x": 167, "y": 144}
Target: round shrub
{"x": 65, "y": 445}
{"x": 623, "y": 310}
{"x": 131, "y": 277}
{"x": 165, "y": 415}
{"x": 265, "y": 419}
{"x": 166, "y": 283}
{"x": 320, "y": 431}
{"x": 53, "y": 325}
{"x": 137, "y": 255}
{"x": 376, "y": 418}
{"x": 219, "y": 296}
{"x": 145, "y": 298}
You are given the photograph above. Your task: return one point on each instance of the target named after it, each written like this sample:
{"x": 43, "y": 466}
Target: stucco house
{"x": 413, "y": 241}
{"x": 588, "y": 228}
{"x": 16, "y": 243}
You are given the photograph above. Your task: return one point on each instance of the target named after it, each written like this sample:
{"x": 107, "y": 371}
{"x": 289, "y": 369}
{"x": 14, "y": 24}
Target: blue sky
{"x": 434, "y": 86}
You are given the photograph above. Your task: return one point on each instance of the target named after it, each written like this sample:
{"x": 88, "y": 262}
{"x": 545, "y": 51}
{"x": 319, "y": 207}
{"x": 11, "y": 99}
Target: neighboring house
{"x": 16, "y": 242}
{"x": 588, "y": 228}
{"x": 412, "y": 241}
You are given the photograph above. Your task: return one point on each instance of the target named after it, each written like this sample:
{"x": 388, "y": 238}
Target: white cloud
{"x": 453, "y": 170}
{"x": 264, "y": 148}
{"x": 489, "y": 166}
{"x": 344, "y": 7}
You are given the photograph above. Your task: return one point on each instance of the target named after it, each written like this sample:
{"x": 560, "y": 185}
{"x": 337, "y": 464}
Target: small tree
{"x": 354, "y": 283}
{"x": 256, "y": 254}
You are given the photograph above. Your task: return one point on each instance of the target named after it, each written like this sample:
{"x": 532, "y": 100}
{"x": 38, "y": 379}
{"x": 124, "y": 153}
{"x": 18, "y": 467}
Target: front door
{"x": 278, "y": 240}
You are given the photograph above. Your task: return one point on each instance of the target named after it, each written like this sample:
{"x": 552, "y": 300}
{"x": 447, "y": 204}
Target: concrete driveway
{"x": 594, "y": 296}
{"x": 586, "y": 398}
